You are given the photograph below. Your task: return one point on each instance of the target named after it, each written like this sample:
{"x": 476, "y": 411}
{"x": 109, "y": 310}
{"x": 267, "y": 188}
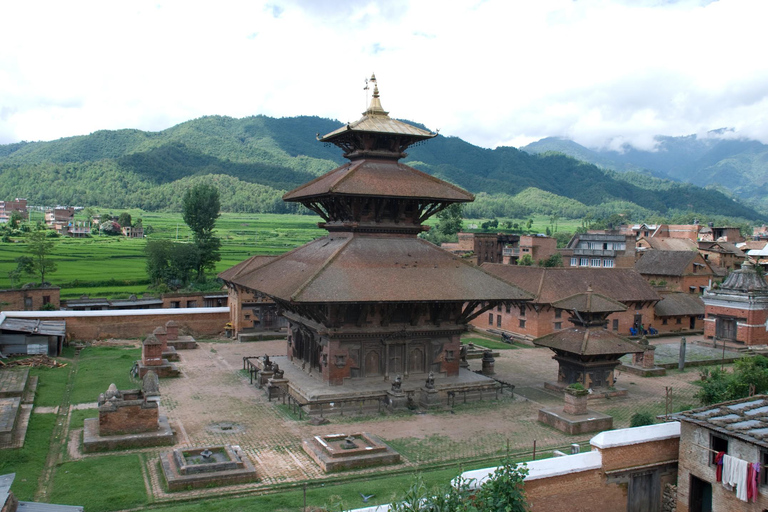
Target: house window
{"x": 574, "y": 262}
{"x": 46, "y": 299}
{"x": 763, "y": 472}
{"x": 595, "y": 262}
{"x": 615, "y": 324}
{"x": 522, "y": 323}
{"x": 608, "y": 263}
{"x": 558, "y": 326}
{"x": 509, "y": 308}
{"x": 718, "y": 444}
{"x": 498, "y": 321}
{"x": 191, "y": 303}
{"x": 558, "y": 313}
{"x": 522, "y": 310}
{"x": 27, "y": 302}
{"x": 584, "y": 262}
{"x": 638, "y": 306}
{"x": 175, "y": 303}
{"x": 498, "y": 308}
{"x": 663, "y": 321}
{"x": 678, "y": 320}
{"x": 692, "y": 289}
{"x": 490, "y": 318}
{"x": 702, "y": 289}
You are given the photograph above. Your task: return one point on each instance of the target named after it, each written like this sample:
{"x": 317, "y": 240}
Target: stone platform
{"x": 183, "y": 343}
{"x": 341, "y": 451}
{"x": 166, "y": 369}
{"x": 656, "y": 371}
{"x": 93, "y": 442}
{"x": 572, "y": 424}
{"x": 370, "y": 394}
{"x": 227, "y": 465}
{"x": 596, "y": 392}
{"x": 13, "y": 383}
{"x": 17, "y": 392}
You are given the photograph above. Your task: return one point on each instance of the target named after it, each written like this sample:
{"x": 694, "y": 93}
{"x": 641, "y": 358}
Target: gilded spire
{"x": 375, "y": 108}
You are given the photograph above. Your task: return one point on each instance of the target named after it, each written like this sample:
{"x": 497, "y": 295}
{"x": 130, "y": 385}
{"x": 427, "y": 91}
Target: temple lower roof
{"x": 588, "y": 342}
{"x": 353, "y": 267}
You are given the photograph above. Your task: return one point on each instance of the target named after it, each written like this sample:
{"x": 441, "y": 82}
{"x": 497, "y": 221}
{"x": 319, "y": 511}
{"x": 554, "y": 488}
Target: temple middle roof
{"x": 585, "y": 341}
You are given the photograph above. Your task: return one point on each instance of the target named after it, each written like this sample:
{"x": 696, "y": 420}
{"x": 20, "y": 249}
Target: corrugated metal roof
{"x": 34, "y": 326}
{"x": 374, "y": 268}
{"x": 381, "y": 178}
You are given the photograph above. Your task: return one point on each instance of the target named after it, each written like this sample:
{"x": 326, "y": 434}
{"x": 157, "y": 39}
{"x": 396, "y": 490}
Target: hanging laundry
{"x": 719, "y": 462}
{"x": 735, "y": 476}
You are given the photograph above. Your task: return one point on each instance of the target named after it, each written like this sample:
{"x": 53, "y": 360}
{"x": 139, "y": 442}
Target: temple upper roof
{"x": 746, "y": 279}
{"x": 585, "y": 341}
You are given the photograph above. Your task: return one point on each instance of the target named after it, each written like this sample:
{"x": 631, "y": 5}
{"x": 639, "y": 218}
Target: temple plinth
{"x": 371, "y": 300}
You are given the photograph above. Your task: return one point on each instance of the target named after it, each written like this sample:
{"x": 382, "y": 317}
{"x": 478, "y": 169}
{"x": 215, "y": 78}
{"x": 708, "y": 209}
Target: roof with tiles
{"x": 552, "y": 284}
{"x": 586, "y": 341}
{"x": 664, "y": 243}
{"x": 670, "y": 263}
{"x": 745, "y": 419}
{"x": 679, "y": 304}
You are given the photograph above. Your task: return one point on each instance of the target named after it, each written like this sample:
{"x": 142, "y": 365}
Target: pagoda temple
{"x": 588, "y": 353}
{"x": 372, "y": 301}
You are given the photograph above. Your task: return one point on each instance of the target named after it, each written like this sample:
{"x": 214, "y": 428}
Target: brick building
{"x": 678, "y": 312}
{"x": 736, "y": 428}
{"x": 250, "y": 310}
{"x": 738, "y": 309}
{"x": 685, "y": 271}
{"x": 538, "y": 317}
{"x": 29, "y": 299}
{"x": 8, "y": 207}
{"x": 722, "y": 255}
{"x": 502, "y": 248}
{"x": 607, "y": 249}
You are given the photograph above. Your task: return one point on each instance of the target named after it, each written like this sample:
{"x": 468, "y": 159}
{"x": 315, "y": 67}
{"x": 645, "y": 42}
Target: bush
{"x": 640, "y": 419}
{"x": 722, "y": 386}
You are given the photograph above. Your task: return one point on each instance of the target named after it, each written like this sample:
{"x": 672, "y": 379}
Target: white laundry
{"x": 735, "y": 476}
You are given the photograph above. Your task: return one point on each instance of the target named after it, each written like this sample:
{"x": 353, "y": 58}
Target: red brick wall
{"x": 586, "y": 491}
{"x": 15, "y": 300}
{"x": 640, "y": 454}
{"x": 139, "y": 326}
{"x": 543, "y": 322}
{"x": 751, "y": 331}
{"x": 129, "y": 419}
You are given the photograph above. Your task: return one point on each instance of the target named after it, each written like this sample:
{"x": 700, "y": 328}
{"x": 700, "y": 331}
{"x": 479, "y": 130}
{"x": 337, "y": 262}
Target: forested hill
{"x": 255, "y": 160}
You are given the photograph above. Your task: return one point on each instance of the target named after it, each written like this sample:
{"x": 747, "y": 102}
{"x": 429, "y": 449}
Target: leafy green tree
{"x": 449, "y": 223}
{"x": 526, "y": 260}
{"x": 200, "y": 209}
{"x": 556, "y": 260}
{"x": 504, "y": 491}
{"x": 39, "y": 262}
{"x": 749, "y": 373}
{"x": 171, "y": 264}
{"x": 125, "y": 220}
{"x": 15, "y": 219}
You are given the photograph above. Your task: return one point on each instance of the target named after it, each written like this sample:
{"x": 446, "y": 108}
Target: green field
{"x": 108, "y": 266}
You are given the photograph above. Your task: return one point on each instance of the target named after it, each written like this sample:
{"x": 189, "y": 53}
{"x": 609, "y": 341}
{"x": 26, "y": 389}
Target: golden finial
{"x": 375, "y": 108}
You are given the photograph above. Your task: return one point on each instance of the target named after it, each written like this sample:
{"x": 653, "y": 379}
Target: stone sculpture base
{"x": 329, "y": 454}
{"x": 179, "y": 475}
{"x": 94, "y": 442}
{"x": 167, "y": 369}
{"x": 575, "y": 424}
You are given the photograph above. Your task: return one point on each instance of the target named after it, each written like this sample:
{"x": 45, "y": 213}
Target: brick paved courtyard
{"x": 214, "y": 391}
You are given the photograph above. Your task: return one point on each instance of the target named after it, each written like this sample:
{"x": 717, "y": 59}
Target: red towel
{"x": 719, "y": 462}
{"x": 753, "y": 473}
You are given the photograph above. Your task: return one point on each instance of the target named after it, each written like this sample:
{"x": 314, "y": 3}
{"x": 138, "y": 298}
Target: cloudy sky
{"x": 495, "y": 72}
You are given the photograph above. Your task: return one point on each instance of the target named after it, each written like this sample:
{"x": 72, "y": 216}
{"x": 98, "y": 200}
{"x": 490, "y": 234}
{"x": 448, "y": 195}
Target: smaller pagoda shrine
{"x": 738, "y": 309}
{"x": 588, "y": 353}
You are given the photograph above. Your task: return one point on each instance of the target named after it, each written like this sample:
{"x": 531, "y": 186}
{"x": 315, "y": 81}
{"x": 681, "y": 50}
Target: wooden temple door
{"x": 416, "y": 361}
{"x": 396, "y": 364}
{"x": 644, "y": 493}
{"x": 725, "y": 328}
{"x": 372, "y": 366}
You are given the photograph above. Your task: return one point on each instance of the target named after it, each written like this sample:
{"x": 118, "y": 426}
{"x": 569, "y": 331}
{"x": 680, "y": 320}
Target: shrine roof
{"x": 379, "y": 177}
{"x": 379, "y": 124}
{"x": 746, "y": 419}
{"x": 373, "y": 268}
{"x": 588, "y": 342}
{"x": 552, "y": 284}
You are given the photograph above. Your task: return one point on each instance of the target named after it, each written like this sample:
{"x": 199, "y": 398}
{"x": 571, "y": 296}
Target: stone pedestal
{"x": 488, "y": 363}
{"x": 575, "y": 401}
{"x": 429, "y": 398}
{"x": 396, "y": 401}
{"x": 276, "y": 388}
{"x": 263, "y": 376}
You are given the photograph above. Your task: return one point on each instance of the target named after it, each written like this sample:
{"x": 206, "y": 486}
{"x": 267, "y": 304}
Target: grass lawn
{"x": 101, "y": 366}
{"x": 110, "y": 482}
{"x": 28, "y": 462}
{"x": 78, "y": 415}
{"x": 50, "y": 383}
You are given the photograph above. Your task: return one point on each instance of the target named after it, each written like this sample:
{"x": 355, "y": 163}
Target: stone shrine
{"x": 152, "y": 359}
{"x": 372, "y": 300}
{"x": 128, "y": 419}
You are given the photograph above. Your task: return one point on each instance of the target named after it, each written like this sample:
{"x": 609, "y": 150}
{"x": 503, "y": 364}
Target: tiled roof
{"x": 588, "y": 342}
{"x": 746, "y": 419}
{"x": 589, "y": 302}
{"x": 368, "y": 268}
{"x": 246, "y": 266}
{"x": 381, "y": 178}
{"x": 668, "y": 263}
{"x": 552, "y": 284}
{"x": 663, "y": 243}
{"x": 679, "y": 304}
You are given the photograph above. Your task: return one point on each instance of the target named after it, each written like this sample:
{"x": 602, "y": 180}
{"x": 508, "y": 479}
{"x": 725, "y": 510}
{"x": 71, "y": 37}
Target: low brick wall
{"x": 132, "y": 323}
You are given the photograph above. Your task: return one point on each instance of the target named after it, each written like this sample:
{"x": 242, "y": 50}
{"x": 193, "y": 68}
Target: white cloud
{"x": 493, "y": 72}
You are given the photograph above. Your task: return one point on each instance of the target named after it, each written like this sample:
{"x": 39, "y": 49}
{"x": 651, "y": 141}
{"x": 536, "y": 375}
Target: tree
{"x": 39, "y": 261}
{"x": 555, "y": 260}
{"x": 125, "y": 220}
{"x": 721, "y": 386}
{"x": 172, "y": 264}
{"x": 449, "y": 223}
{"x": 15, "y": 219}
{"x": 526, "y": 260}
{"x": 200, "y": 209}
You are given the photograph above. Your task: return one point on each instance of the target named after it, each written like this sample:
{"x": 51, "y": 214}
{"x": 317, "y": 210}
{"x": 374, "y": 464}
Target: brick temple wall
{"x": 752, "y": 331}
{"x": 129, "y": 419}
